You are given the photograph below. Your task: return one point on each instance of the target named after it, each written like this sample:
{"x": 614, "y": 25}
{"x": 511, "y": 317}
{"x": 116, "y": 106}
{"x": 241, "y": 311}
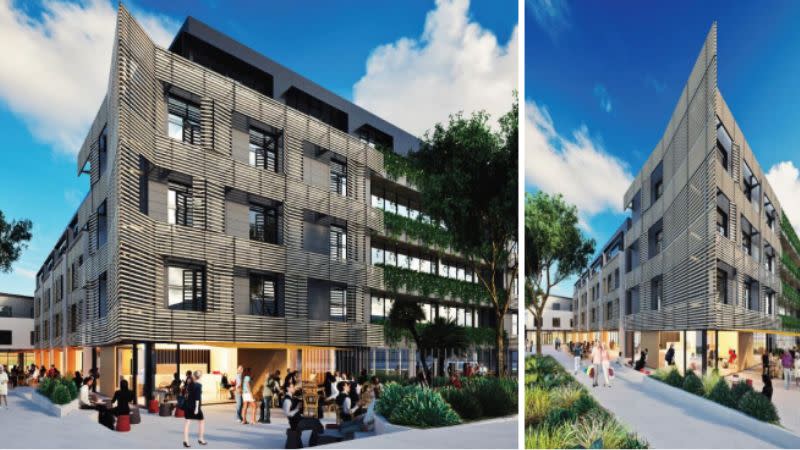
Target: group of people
{"x": 600, "y": 357}
{"x": 790, "y": 364}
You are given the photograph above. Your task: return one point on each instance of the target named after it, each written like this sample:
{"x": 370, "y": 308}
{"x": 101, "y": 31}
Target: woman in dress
{"x": 3, "y": 386}
{"x": 248, "y": 399}
{"x": 193, "y": 412}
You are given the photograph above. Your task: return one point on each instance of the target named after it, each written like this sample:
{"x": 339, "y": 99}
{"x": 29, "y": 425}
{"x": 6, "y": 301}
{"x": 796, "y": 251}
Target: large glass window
{"x": 186, "y": 287}
{"x": 339, "y": 177}
{"x": 263, "y": 224}
{"x": 263, "y": 295}
{"x": 377, "y": 255}
{"x": 722, "y": 286}
{"x": 102, "y": 225}
{"x": 179, "y": 205}
{"x": 338, "y": 306}
{"x": 656, "y": 293}
{"x": 102, "y": 295}
{"x": 264, "y": 149}
{"x": 102, "y": 151}
{"x": 338, "y": 237}
{"x": 183, "y": 120}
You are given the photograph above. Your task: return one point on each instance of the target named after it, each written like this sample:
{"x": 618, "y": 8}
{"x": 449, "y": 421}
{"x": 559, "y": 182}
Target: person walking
{"x": 3, "y": 386}
{"x": 787, "y": 362}
{"x": 558, "y": 344}
{"x": 237, "y": 393}
{"x": 577, "y": 352}
{"x": 194, "y": 403}
{"x": 605, "y": 363}
{"x": 670, "y": 357}
{"x": 597, "y": 364}
{"x": 765, "y": 362}
{"x": 767, "y": 389}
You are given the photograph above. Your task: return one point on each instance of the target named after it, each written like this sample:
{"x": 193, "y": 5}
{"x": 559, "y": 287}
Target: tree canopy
{"x": 14, "y": 237}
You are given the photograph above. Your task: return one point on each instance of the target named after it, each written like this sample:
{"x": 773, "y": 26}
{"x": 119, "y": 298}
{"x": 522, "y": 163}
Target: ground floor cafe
{"x": 699, "y": 350}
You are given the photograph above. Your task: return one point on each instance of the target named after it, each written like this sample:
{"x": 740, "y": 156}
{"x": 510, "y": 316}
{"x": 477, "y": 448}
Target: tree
{"x": 555, "y": 249}
{"x": 466, "y": 175}
{"x": 443, "y": 335}
{"x": 403, "y": 319}
{"x": 14, "y": 237}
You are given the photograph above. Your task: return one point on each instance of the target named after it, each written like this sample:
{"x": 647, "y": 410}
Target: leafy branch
{"x": 427, "y": 284}
{"x": 427, "y": 233}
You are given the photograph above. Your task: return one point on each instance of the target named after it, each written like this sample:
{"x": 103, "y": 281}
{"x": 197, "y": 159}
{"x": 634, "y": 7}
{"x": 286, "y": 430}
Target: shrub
{"x": 60, "y": 395}
{"x": 584, "y": 404}
{"x": 391, "y": 396}
{"x": 497, "y": 397}
{"x": 73, "y": 390}
{"x": 739, "y": 390}
{"x": 660, "y": 374}
{"x": 464, "y": 403}
{"x": 759, "y": 406}
{"x": 721, "y": 393}
{"x": 46, "y": 387}
{"x": 674, "y": 378}
{"x": 692, "y": 383}
{"x": 537, "y": 405}
{"x": 549, "y": 437}
{"x": 558, "y": 416}
{"x": 424, "y": 408}
{"x": 710, "y": 381}
{"x": 566, "y": 396}
{"x": 595, "y": 431}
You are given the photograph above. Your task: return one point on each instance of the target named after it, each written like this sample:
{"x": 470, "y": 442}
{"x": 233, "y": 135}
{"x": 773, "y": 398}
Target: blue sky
{"x": 332, "y": 43}
{"x": 602, "y": 79}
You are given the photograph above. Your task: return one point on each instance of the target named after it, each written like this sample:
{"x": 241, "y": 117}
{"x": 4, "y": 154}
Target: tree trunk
{"x": 539, "y": 323}
{"x": 417, "y": 340}
{"x": 501, "y": 349}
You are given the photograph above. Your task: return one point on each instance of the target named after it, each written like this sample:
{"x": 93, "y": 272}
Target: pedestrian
{"x": 3, "y": 386}
{"x": 606, "y": 365}
{"x": 194, "y": 403}
{"x": 670, "y": 357}
{"x": 558, "y": 344}
{"x": 597, "y": 364}
{"x": 787, "y": 362}
{"x": 765, "y": 362}
{"x": 767, "y": 390}
{"x": 237, "y": 392}
{"x": 248, "y": 399}
{"x": 577, "y": 351}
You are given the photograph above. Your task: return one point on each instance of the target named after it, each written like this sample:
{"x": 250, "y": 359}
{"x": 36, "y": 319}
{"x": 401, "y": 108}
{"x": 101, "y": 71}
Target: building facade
{"x": 16, "y": 330}
{"x": 237, "y": 215}
{"x": 699, "y": 262}
{"x": 556, "y": 322}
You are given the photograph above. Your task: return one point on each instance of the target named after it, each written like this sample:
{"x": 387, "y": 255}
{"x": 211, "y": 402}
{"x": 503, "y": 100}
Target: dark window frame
{"x": 265, "y": 148}
{"x": 262, "y": 304}
{"x": 265, "y": 229}
{"x": 188, "y": 113}
{"x": 193, "y": 287}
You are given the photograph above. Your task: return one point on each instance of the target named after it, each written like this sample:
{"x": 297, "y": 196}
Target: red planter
{"x": 124, "y": 423}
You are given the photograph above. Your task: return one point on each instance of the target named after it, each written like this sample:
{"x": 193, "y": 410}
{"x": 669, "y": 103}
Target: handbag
{"x": 610, "y": 372}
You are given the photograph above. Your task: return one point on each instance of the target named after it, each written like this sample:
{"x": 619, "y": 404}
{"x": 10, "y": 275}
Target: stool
{"x": 124, "y": 423}
{"x": 293, "y": 439}
{"x": 152, "y": 406}
{"x": 165, "y": 410}
{"x": 136, "y": 418}
{"x": 179, "y": 412}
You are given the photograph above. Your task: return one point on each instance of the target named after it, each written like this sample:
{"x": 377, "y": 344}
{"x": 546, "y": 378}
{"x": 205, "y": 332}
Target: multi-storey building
{"x": 700, "y": 264}
{"x": 16, "y": 330}
{"x": 556, "y": 322}
{"x": 235, "y": 216}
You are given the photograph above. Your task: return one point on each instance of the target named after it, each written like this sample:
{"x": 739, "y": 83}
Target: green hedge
{"x": 788, "y": 230}
{"x": 59, "y": 390}
{"x": 428, "y": 233}
{"x": 790, "y": 322}
{"x": 427, "y": 284}
{"x": 759, "y": 406}
{"x": 415, "y": 406}
{"x": 561, "y": 413}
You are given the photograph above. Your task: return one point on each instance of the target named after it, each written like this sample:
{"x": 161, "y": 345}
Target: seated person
{"x": 376, "y": 386}
{"x": 123, "y": 398}
{"x": 292, "y": 407}
{"x": 175, "y": 386}
{"x": 351, "y": 413}
{"x": 85, "y": 396}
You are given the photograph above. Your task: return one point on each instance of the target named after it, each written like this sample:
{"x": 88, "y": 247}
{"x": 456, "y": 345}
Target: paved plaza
{"x": 670, "y": 418}
{"x": 25, "y": 425}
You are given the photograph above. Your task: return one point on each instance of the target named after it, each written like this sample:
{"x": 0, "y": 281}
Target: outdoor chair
{"x": 136, "y": 417}
{"x": 124, "y": 423}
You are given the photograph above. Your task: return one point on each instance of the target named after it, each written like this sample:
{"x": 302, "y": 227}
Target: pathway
{"x": 675, "y": 419}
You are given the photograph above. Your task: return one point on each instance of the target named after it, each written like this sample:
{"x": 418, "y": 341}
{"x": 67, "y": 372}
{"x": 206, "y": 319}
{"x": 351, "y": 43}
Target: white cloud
{"x": 601, "y": 93}
{"x": 551, "y": 15}
{"x": 55, "y": 67}
{"x": 29, "y": 274}
{"x": 784, "y": 178}
{"x": 575, "y": 166}
{"x": 455, "y": 65}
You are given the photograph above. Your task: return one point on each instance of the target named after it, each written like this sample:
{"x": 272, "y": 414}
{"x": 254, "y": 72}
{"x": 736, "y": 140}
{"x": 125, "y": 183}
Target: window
{"x": 339, "y": 177}
{"x": 263, "y": 295}
{"x": 656, "y": 293}
{"x": 74, "y": 275}
{"x": 183, "y": 120}
{"x": 594, "y": 315}
{"x": 46, "y": 330}
{"x": 556, "y": 322}
{"x": 264, "y": 149}
{"x": 722, "y": 286}
{"x": 469, "y": 318}
{"x": 657, "y": 183}
{"x": 656, "y": 238}
{"x": 73, "y": 318}
{"x": 5, "y": 337}
{"x": 628, "y": 302}
{"x": 770, "y": 299}
{"x": 556, "y": 306}
{"x": 616, "y": 278}
{"x": 58, "y": 287}
{"x": 722, "y": 222}
{"x": 186, "y": 288}
{"x": 609, "y": 310}
{"x": 102, "y": 295}
{"x": 338, "y": 238}
{"x": 514, "y": 324}
{"x": 264, "y": 224}
{"x": 102, "y": 151}
{"x": 5, "y": 311}
{"x": 377, "y": 309}
{"x": 57, "y": 325}
{"x": 338, "y": 307}
{"x": 377, "y": 255}
{"x": 749, "y": 183}
{"x": 179, "y": 205}
{"x": 102, "y": 225}
{"x": 747, "y": 241}
{"x": 429, "y": 311}
{"x": 723, "y": 145}
{"x": 751, "y": 294}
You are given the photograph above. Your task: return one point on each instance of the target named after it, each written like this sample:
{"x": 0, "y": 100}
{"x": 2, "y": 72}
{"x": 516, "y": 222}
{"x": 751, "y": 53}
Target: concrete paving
{"x": 670, "y": 418}
{"x": 496, "y": 433}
